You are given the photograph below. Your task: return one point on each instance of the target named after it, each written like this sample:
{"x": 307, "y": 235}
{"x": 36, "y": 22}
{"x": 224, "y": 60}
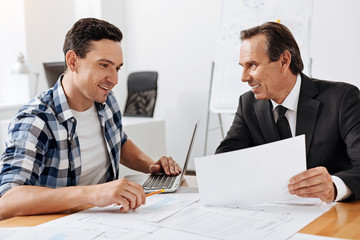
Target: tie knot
{"x": 281, "y": 110}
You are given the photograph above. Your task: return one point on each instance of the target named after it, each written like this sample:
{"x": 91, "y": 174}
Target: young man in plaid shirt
{"x": 65, "y": 145}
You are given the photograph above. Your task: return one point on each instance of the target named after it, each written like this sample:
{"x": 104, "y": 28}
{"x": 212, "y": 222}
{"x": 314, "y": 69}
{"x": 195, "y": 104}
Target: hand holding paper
{"x": 250, "y": 176}
{"x": 315, "y": 183}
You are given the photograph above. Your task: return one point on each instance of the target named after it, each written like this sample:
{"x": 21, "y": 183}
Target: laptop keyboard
{"x": 159, "y": 181}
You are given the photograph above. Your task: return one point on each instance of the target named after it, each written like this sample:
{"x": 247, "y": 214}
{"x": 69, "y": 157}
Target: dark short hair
{"x": 86, "y": 30}
{"x": 278, "y": 39}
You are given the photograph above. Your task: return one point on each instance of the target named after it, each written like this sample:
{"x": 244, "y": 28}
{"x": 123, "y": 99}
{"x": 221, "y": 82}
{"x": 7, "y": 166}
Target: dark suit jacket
{"x": 329, "y": 116}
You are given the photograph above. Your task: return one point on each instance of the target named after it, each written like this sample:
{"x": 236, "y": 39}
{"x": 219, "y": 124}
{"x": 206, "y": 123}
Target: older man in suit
{"x": 328, "y": 113}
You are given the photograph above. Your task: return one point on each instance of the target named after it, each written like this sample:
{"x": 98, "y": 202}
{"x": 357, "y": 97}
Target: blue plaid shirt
{"x": 43, "y": 148}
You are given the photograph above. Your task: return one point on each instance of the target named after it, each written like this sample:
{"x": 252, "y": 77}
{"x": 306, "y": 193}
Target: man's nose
{"x": 245, "y": 76}
{"x": 113, "y": 78}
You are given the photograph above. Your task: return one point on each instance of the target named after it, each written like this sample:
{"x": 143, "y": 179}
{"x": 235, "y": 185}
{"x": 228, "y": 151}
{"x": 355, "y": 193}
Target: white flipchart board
{"x": 243, "y": 14}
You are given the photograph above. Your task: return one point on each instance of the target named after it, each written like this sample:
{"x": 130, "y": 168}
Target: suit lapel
{"x": 263, "y": 110}
{"x": 308, "y": 109}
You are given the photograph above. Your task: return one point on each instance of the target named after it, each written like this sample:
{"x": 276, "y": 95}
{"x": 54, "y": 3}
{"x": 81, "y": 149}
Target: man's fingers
{"x": 123, "y": 192}
{"x": 134, "y": 200}
{"x": 306, "y": 183}
{"x": 322, "y": 191}
{"x": 313, "y": 189}
{"x": 141, "y": 197}
{"x": 129, "y": 194}
{"x": 174, "y": 168}
{"x": 155, "y": 169}
{"x": 124, "y": 204}
{"x": 307, "y": 174}
{"x": 164, "y": 164}
{"x": 167, "y": 164}
{"x": 315, "y": 183}
{"x": 310, "y": 178}
{"x": 171, "y": 164}
{"x": 177, "y": 168}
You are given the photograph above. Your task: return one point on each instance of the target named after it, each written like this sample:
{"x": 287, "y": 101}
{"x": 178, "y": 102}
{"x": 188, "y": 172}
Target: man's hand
{"x": 167, "y": 165}
{"x": 313, "y": 183}
{"x": 123, "y": 192}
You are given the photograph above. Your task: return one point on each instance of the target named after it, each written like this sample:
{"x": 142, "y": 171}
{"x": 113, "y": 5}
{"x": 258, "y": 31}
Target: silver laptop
{"x": 155, "y": 182}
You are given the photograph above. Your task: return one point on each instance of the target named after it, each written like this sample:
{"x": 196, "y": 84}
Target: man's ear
{"x": 285, "y": 59}
{"x": 71, "y": 60}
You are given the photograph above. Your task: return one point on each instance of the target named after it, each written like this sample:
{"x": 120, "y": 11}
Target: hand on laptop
{"x": 166, "y": 165}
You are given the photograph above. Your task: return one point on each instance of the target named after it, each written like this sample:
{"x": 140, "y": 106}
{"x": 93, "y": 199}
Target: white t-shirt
{"x": 95, "y": 160}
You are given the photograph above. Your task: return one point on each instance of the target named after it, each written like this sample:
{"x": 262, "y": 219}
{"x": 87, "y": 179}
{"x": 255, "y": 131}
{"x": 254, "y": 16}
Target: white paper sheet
{"x": 48, "y": 233}
{"x": 170, "y": 234}
{"x": 235, "y": 223}
{"x": 250, "y": 176}
{"x": 157, "y": 207}
{"x": 288, "y": 207}
{"x": 194, "y": 221}
{"x": 132, "y": 225}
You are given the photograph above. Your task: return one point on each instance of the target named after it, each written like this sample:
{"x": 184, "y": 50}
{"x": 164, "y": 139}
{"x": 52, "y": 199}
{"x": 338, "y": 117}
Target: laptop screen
{"x": 187, "y": 160}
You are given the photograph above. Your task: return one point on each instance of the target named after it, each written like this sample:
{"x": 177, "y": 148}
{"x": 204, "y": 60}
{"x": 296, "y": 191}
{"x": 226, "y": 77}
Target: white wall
{"x": 47, "y": 23}
{"x": 177, "y": 39}
{"x": 13, "y": 88}
{"x": 115, "y": 11}
{"x": 335, "y": 45}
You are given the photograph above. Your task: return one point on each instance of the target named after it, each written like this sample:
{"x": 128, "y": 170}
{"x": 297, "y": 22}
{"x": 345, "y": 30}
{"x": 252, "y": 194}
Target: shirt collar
{"x": 60, "y": 102}
{"x": 291, "y": 101}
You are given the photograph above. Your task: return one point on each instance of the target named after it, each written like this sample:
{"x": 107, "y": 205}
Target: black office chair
{"x": 142, "y": 93}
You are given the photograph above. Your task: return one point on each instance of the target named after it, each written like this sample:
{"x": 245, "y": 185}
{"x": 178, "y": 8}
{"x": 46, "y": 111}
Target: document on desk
{"x": 47, "y": 233}
{"x": 157, "y": 207}
{"x": 132, "y": 225}
{"x": 250, "y": 176}
{"x": 188, "y": 220}
{"x": 236, "y": 223}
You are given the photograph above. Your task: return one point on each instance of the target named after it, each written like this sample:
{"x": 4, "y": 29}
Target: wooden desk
{"x": 341, "y": 221}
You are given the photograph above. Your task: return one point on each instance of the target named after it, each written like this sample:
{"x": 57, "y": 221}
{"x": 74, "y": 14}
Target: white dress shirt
{"x": 291, "y": 103}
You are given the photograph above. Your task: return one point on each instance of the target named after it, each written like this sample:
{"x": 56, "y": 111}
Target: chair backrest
{"x": 52, "y": 71}
{"x": 142, "y": 93}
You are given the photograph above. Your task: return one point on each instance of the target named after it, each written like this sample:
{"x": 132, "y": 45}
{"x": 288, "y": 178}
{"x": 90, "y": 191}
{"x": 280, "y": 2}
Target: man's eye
{"x": 118, "y": 69}
{"x": 104, "y": 65}
{"x": 252, "y": 66}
